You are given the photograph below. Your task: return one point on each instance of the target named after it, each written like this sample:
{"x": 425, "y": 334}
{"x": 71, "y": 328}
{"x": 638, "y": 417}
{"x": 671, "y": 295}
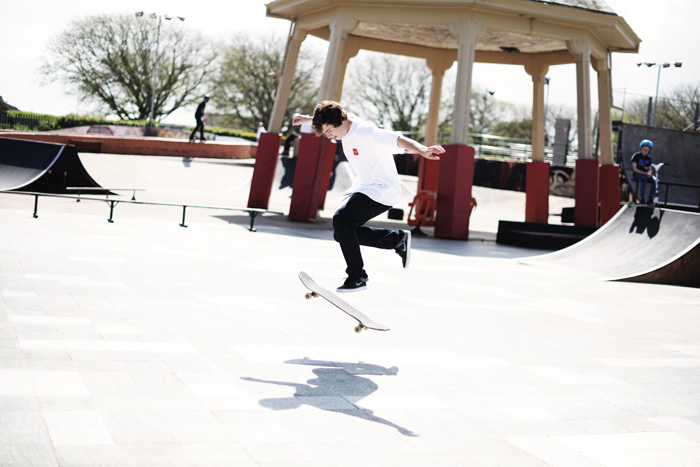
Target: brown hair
{"x": 328, "y": 112}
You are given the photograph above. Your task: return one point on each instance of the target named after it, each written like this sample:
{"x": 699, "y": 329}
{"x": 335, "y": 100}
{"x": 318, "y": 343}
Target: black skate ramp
{"x": 639, "y": 244}
{"x": 33, "y": 166}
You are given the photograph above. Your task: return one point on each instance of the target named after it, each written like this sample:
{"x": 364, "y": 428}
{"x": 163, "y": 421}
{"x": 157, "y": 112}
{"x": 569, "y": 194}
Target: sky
{"x": 667, "y": 30}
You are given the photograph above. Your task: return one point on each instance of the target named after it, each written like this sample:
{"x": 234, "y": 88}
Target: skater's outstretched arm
{"x": 429, "y": 152}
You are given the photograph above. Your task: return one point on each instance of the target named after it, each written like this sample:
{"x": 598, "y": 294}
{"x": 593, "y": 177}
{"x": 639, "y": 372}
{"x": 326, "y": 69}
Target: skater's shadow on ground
{"x": 336, "y": 388}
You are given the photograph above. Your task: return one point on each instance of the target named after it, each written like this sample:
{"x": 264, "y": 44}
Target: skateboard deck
{"x": 318, "y": 291}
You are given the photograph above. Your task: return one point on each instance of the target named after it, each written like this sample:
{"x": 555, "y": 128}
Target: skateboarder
{"x": 642, "y": 172}
{"x": 200, "y": 117}
{"x": 375, "y": 190}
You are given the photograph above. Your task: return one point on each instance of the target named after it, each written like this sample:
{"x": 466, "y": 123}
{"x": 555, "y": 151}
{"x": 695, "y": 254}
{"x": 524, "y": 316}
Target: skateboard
{"x": 318, "y": 291}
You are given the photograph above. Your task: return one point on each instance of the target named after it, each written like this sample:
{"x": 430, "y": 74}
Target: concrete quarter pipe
{"x": 42, "y": 167}
{"x": 639, "y": 244}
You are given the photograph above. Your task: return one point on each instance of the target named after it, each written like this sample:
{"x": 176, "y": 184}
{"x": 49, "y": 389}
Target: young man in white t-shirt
{"x": 376, "y": 188}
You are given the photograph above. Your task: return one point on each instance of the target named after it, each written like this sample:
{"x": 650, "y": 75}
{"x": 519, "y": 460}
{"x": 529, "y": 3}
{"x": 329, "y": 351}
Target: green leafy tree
{"x": 245, "y": 83}
{"x": 109, "y": 59}
{"x": 514, "y": 128}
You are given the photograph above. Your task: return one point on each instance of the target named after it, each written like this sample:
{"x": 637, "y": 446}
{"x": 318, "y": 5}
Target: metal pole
{"x": 546, "y": 103}
{"x": 481, "y": 130}
{"x": 649, "y": 112}
{"x": 695, "y": 120}
{"x": 184, "y": 209}
{"x": 155, "y": 72}
{"x": 656, "y": 98}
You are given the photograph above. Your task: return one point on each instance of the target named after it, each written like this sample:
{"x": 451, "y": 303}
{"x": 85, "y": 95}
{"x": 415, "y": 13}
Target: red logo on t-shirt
{"x": 355, "y": 151}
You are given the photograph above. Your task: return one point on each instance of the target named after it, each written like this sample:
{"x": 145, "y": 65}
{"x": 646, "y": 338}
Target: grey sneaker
{"x": 403, "y": 249}
{"x": 352, "y": 285}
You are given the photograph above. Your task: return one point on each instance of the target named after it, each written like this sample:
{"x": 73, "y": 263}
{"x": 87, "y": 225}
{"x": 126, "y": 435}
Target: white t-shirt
{"x": 370, "y": 152}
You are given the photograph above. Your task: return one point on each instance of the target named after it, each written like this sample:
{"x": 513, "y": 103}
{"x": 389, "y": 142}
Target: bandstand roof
{"x": 514, "y": 27}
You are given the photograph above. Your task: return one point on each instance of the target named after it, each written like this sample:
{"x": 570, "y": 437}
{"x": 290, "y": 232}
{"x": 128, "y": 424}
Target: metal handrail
{"x": 252, "y": 212}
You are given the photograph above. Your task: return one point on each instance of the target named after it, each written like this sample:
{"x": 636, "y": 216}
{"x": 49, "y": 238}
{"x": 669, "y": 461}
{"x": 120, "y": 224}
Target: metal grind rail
{"x": 91, "y": 190}
{"x": 252, "y": 212}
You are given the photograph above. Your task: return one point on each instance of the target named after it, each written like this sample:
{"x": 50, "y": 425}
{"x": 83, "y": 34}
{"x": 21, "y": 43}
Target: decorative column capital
{"x": 600, "y": 64}
{"x": 299, "y": 35}
{"x": 579, "y": 47}
{"x": 536, "y": 70}
{"x": 440, "y": 62}
{"x": 343, "y": 24}
{"x": 468, "y": 28}
{"x": 352, "y": 48}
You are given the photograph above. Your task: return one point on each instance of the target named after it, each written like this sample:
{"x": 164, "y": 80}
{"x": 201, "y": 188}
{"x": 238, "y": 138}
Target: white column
{"x": 431, "y": 125}
{"x": 582, "y": 50}
{"x": 467, "y": 33}
{"x": 602, "y": 67}
{"x": 350, "y": 50}
{"x": 438, "y": 67}
{"x": 284, "y": 86}
{"x": 340, "y": 28}
{"x": 538, "y": 73}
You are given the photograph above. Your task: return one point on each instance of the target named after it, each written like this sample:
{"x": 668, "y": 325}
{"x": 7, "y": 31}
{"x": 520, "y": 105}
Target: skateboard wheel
{"x": 358, "y": 329}
{"x": 308, "y": 296}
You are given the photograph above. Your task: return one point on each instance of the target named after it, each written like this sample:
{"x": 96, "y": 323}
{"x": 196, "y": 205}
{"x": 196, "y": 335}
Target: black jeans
{"x": 350, "y": 232}
{"x": 200, "y": 127}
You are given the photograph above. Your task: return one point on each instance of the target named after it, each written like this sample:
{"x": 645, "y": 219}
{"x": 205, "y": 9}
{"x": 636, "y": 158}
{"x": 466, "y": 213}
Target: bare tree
{"x": 245, "y": 83}
{"x": 110, "y": 60}
{"x": 392, "y": 91}
{"x": 675, "y": 111}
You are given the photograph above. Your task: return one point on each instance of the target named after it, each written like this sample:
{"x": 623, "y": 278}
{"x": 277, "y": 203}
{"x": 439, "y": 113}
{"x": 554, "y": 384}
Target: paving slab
{"x": 144, "y": 343}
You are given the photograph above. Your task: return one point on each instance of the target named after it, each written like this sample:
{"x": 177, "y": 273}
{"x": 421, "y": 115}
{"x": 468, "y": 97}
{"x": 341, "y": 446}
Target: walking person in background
{"x": 200, "y": 117}
{"x": 375, "y": 190}
{"x": 642, "y": 172}
{"x": 261, "y": 129}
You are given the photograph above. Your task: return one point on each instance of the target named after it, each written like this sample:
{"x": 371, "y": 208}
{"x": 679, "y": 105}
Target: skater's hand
{"x": 433, "y": 152}
{"x": 301, "y": 119}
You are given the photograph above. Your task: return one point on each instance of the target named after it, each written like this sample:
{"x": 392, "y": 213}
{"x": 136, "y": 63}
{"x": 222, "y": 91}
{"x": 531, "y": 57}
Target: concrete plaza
{"x": 144, "y": 343}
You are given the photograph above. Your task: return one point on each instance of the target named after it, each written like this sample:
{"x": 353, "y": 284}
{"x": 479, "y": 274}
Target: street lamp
{"x": 139, "y": 14}
{"x": 658, "y": 78}
{"x": 546, "y": 102}
{"x": 483, "y": 117}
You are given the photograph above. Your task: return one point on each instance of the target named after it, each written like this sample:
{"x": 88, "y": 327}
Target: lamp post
{"x": 154, "y": 79}
{"x": 658, "y": 79}
{"x": 546, "y": 101}
{"x": 483, "y": 117}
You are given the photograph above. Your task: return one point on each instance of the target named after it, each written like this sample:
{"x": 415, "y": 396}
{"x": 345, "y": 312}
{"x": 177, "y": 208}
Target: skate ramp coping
{"x": 640, "y": 244}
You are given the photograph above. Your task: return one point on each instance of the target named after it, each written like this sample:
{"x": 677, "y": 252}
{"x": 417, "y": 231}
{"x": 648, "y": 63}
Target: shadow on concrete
{"x": 646, "y": 221}
{"x": 338, "y": 387}
{"x": 480, "y": 245}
